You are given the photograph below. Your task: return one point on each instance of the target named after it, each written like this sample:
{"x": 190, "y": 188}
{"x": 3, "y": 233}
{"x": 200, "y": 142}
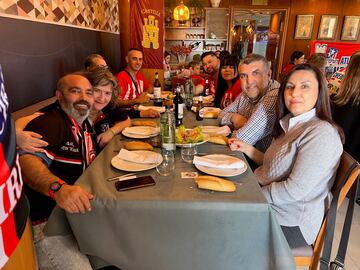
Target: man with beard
{"x": 50, "y": 175}
{"x": 253, "y": 113}
{"x": 211, "y": 66}
{"x": 133, "y": 86}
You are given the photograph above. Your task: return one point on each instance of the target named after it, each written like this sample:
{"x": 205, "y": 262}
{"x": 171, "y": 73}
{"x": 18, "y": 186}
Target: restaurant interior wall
{"x": 317, "y": 8}
{"x": 40, "y": 42}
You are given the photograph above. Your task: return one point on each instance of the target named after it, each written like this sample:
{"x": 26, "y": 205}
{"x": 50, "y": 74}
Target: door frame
{"x": 283, "y": 30}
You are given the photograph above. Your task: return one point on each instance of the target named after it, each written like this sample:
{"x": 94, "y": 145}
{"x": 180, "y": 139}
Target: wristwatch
{"x": 55, "y": 187}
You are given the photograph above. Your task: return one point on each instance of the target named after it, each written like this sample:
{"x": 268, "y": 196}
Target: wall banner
{"x": 147, "y": 30}
{"x": 337, "y": 53}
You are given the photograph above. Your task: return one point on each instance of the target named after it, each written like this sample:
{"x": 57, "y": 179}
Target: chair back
{"x": 346, "y": 163}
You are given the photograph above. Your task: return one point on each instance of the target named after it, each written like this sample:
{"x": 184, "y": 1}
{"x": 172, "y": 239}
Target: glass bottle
{"x": 168, "y": 147}
{"x": 206, "y": 87}
{"x": 157, "y": 90}
{"x": 179, "y": 106}
{"x": 189, "y": 93}
{"x": 167, "y": 130}
{"x": 199, "y": 116}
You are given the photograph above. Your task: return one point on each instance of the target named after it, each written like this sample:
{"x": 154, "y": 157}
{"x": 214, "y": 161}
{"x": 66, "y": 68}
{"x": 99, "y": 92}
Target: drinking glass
{"x": 188, "y": 152}
{"x": 167, "y": 166}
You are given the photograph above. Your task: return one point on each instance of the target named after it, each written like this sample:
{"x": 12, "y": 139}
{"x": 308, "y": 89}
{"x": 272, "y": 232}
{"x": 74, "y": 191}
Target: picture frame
{"x": 350, "y": 29}
{"x": 304, "y": 26}
{"x": 328, "y": 26}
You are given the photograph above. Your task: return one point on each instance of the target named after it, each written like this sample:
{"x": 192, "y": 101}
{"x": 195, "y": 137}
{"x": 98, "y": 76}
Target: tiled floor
{"x": 352, "y": 260}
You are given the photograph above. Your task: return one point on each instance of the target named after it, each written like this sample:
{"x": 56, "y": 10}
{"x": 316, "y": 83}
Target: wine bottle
{"x": 157, "y": 91}
{"x": 179, "y": 106}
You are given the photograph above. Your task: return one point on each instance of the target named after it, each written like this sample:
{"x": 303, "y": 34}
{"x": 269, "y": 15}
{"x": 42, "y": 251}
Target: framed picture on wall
{"x": 304, "y": 26}
{"x": 328, "y": 25}
{"x": 350, "y": 30}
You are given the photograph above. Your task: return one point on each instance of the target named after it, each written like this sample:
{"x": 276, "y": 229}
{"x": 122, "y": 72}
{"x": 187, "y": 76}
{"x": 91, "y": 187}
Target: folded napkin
{"x": 156, "y": 108}
{"x": 215, "y": 130}
{"x": 143, "y": 157}
{"x": 224, "y": 163}
{"x": 141, "y": 130}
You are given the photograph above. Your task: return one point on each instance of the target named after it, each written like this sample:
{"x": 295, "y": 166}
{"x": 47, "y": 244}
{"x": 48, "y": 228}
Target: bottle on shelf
{"x": 157, "y": 91}
{"x": 199, "y": 116}
{"x": 207, "y": 87}
{"x": 179, "y": 106}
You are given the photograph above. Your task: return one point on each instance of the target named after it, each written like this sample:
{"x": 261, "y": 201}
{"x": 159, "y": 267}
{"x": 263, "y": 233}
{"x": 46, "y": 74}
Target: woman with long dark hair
{"x": 228, "y": 86}
{"x": 298, "y": 169}
{"x": 346, "y": 108}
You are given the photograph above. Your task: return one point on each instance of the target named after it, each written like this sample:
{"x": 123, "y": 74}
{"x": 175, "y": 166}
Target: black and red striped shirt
{"x": 68, "y": 154}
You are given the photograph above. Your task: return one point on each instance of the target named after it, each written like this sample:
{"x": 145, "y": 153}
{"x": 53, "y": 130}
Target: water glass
{"x": 188, "y": 152}
{"x": 167, "y": 166}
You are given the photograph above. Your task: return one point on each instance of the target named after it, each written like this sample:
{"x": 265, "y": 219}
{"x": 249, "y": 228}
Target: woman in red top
{"x": 297, "y": 57}
{"x": 228, "y": 86}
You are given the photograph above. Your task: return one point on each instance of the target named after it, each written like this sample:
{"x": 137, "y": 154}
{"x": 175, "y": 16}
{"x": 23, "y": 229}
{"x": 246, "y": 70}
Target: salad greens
{"x": 184, "y": 135}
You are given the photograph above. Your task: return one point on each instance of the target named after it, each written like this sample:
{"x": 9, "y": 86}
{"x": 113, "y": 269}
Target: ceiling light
{"x": 181, "y": 13}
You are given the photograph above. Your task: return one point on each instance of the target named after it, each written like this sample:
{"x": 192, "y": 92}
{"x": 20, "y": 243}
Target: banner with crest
{"x": 147, "y": 31}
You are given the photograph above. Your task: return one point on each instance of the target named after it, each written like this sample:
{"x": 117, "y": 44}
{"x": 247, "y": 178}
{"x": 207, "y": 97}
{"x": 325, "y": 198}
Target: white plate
{"x": 134, "y": 132}
{"x": 222, "y": 172}
{"x": 205, "y": 136}
{"x": 128, "y": 166}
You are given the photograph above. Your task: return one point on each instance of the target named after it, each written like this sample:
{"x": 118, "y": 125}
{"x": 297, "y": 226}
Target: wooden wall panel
{"x": 318, "y": 8}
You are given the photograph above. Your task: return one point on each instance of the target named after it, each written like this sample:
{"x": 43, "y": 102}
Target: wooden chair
{"x": 310, "y": 255}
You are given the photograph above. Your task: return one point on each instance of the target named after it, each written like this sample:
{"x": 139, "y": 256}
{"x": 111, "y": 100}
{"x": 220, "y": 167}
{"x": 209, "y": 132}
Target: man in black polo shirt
{"x": 50, "y": 175}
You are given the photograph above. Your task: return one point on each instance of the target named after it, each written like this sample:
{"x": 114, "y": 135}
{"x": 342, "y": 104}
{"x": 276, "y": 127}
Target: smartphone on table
{"x": 138, "y": 182}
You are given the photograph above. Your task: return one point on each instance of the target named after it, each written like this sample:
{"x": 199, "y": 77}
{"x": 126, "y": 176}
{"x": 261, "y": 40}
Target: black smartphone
{"x": 142, "y": 181}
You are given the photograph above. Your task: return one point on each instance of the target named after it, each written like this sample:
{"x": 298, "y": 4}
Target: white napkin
{"x": 156, "y": 108}
{"x": 224, "y": 163}
{"x": 143, "y": 157}
{"x": 141, "y": 130}
{"x": 215, "y": 130}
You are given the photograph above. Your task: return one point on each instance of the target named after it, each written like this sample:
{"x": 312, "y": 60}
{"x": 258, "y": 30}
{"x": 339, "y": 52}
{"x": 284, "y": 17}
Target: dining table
{"x": 174, "y": 225}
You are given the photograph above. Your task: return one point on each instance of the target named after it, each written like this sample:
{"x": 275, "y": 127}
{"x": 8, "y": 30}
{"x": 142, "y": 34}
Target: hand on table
{"x": 143, "y": 98}
{"x": 150, "y": 113}
{"x": 30, "y": 141}
{"x": 104, "y": 138}
{"x": 73, "y": 199}
{"x": 238, "y": 145}
{"x": 238, "y": 120}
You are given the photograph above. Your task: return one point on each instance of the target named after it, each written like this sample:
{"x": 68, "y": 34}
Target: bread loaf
{"x": 219, "y": 140}
{"x": 137, "y": 145}
{"x": 215, "y": 183}
{"x": 144, "y": 123}
{"x": 211, "y": 114}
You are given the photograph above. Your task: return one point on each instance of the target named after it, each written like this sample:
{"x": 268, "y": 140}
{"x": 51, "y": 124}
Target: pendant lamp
{"x": 181, "y": 13}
